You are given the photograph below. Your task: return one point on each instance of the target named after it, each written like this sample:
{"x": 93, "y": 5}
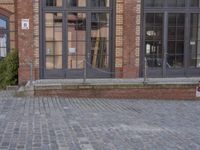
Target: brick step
{"x": 168, "y": 89}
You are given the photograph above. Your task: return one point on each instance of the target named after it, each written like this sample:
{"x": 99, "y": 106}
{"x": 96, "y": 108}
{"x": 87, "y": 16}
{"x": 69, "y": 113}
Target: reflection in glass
{"x": 77, "y": 3}
{"x": 53, "y": 29}
{"x": 57, "y": 3}
{"x": 100, "y": 3}
{"x": 154, "y": 3}
{"x": 3, "y": 24}
{"x": 153, "y": 39}
{"x": 176, "y": 3}
{"x": 195, "y": 40}
{"x": 3, "y": 38}
{"x": 76, "y": 40}
{"x": 100, "y": 40}
{"x": 194, "y": 3}
{"x": 176, "y": 27}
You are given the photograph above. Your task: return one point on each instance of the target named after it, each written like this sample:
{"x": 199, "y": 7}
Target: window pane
{"x": 176, "y": 3}
{"x": 100, "y": 3}
{"x": 77, "y": 3}
{"x": 3, "y": 24}
{"x": 54, "y": 38}
{"x": 195, "y": 40}
{"x": 3, "y": 43}
{"x": 76, "y": 40}
{"x": 76, "y": 26}
{"x": 100, "y": 40}
{"x": 176, "y": 40}
{"x": 154, "y": 3}
{"x": 76, "y": 55}
{"x": 194, "y": 3}
{"x": 153, "y": 40}
{"x": 57, "y": 3}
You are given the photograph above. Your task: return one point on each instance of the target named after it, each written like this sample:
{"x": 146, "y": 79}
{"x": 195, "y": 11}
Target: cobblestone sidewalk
{"x": 97, "y": 124}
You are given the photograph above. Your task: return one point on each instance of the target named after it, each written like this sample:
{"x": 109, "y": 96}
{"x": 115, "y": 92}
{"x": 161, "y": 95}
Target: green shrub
{"x": 9, "y": 69}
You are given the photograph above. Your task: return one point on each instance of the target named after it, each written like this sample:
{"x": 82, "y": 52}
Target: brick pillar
{"x": 131, "y": 40}
{"x": 25, "y": 40}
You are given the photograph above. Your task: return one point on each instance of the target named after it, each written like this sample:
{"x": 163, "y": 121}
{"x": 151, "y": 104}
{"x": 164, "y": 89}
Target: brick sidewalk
{"x": 43, "y": 123}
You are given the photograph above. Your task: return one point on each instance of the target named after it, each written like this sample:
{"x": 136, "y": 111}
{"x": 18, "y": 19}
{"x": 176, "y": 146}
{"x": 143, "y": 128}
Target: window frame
{"x": 187, "y": 70}
{"x": 7, "y": 30}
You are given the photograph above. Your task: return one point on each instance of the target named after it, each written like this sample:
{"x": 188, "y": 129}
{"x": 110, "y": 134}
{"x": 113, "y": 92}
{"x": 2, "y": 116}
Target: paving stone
{"x": 51, "y": 123}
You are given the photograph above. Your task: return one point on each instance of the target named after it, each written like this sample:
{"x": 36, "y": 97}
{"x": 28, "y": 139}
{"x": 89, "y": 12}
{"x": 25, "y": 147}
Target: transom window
{"x": 78, "y": 3}
{"x": 3, "y": 37}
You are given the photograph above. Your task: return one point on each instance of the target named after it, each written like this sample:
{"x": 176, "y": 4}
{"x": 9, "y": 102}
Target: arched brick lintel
{"x": 5, "y": 12}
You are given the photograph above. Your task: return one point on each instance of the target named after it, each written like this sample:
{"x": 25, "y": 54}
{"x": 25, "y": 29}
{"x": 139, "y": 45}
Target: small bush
{"x": 9, "y": 69}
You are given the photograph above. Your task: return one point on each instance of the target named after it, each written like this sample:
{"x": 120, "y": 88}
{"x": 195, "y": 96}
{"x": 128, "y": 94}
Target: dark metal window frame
{"x": 65, "y": 10}
{"x": 186, "y": 71}
{"x": 7, "y": 33}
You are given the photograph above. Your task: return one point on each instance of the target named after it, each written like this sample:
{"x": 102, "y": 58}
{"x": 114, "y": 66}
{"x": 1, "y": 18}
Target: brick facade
{"x": 8, "y": 9}
{"x": 127, "y": 40}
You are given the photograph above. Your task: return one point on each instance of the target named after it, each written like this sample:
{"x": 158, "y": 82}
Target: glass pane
{"x": 57, "y": 3}
{"x": 58, "y": 34}
{"x": 77, "y": 26}
{"x": 58, "y": 62}
{"x": 100, "y": 40}
{"x": 58, "y": 48}
{"x": 195, "y": 40}
{"x": 175, "y": 61}
{"x": 49, "y": 62}
{"x": 49, "y": 34}
{"x": 77, "y": 3}
{"x": 76, "y": 55}
{"x": 100, "y": 3}
{"x": 176, "y": 40}
{"x": 194, "y": 3}
{"x": 53, "y": 40}
{"x": 100, "y": 53}
{"x": 3, "y": 45}
{"x": 154, "y": 53}
{"x": 76, "y": 40}
{"x": 154, "y": 3}
{"x": 53, "y": 19}
{"x": 176, "y": 3}
{"x": 49, "y": 48}
{"x": 3, "y": 24}
{"x": 153, "y": 40}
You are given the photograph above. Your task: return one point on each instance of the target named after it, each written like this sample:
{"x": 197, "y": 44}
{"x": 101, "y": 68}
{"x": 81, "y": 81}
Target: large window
{"x": 3, "y": 37}
{"x": 77, "y": 37}
{"x": 172, "y": 37}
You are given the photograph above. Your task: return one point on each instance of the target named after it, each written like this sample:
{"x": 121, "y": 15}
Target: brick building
{"x": 110, "y": 38}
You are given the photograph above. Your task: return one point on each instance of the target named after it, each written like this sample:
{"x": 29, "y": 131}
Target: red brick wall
{"x": 127, "y": 30}
{"x": 130, "y": 40}
{"x": 145, "y": 92}
{"x": 25, "y": 39}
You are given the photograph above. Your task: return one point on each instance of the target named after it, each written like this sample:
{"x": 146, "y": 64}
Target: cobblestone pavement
{"x": 98, "y": 124}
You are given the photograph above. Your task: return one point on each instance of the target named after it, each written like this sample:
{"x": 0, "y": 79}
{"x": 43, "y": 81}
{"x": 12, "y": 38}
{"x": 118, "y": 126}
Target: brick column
{"x": 27, "y": 40}
{"x": 131, "y": 40}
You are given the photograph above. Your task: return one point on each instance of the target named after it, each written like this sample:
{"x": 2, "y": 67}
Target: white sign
{"x": 25, "y": 24}
{"x": 197, "y": 91}
{"x": 72, "y": 50}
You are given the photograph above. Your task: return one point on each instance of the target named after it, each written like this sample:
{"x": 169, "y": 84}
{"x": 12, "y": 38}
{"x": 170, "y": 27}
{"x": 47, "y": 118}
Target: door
{"x": 77, "y": 42}
{"x": 165, "y": 44}
{"x": 154, "y": 48}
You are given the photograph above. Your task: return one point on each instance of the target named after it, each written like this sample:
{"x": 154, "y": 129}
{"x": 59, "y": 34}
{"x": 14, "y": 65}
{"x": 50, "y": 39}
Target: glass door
{"x": 77, "y": 39}
{"x": 154, "y": 43}
{"x": 98, "y": 54}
